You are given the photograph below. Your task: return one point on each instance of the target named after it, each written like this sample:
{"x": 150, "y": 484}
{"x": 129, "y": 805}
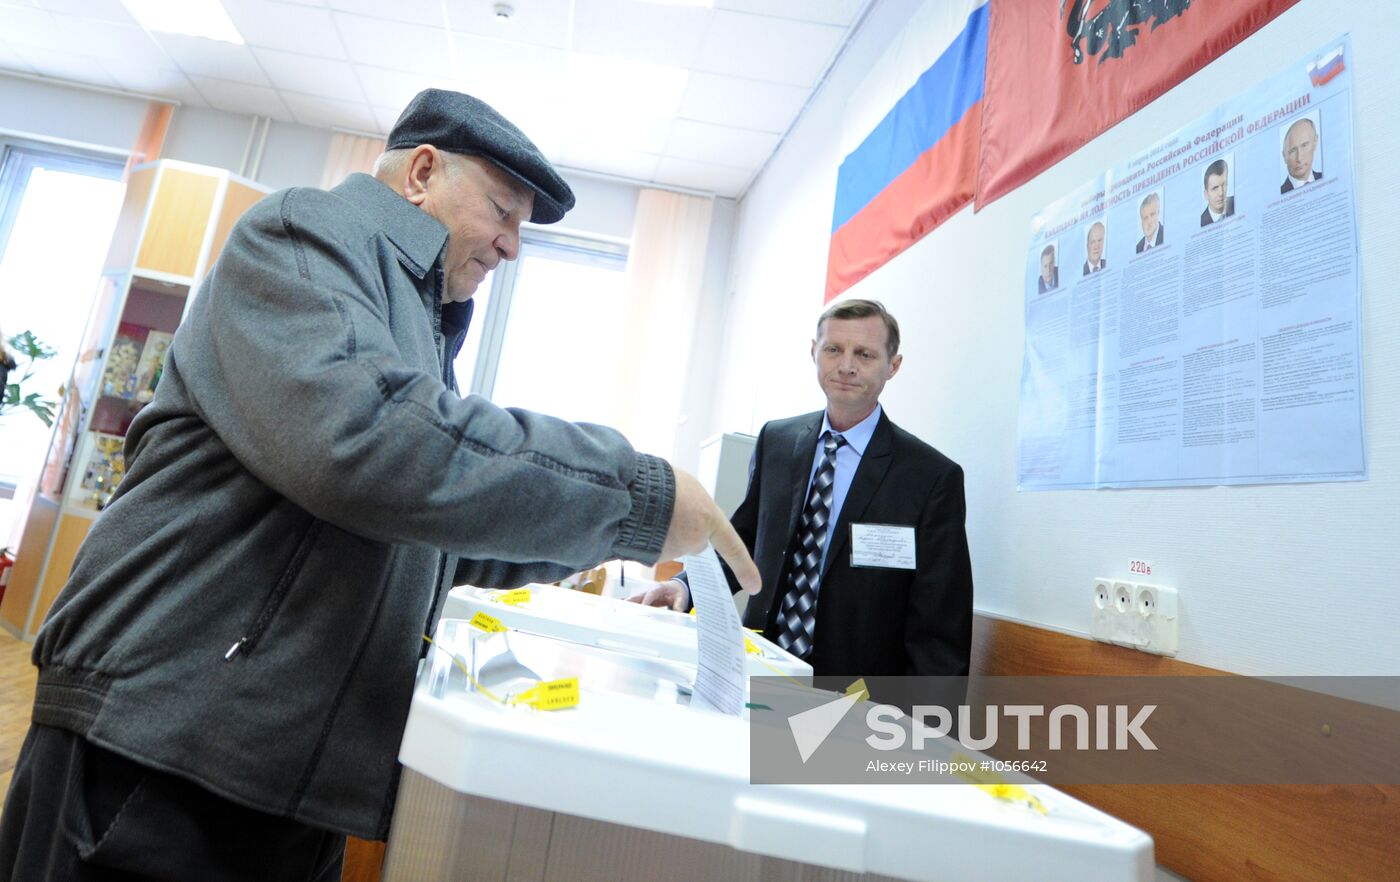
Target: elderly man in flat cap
{"x": 224, "y": 679}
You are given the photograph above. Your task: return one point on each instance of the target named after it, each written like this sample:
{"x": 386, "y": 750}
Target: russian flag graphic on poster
{"x": 1325, "y": 68}
{"x": 909, "y": 138}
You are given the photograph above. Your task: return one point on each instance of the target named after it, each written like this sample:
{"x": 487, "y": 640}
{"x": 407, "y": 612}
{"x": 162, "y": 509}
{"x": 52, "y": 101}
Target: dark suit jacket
{"x": 1054, "y": 283}
{"x": 1161, "y": 236}
{"x": 1288, "y": 182}
{"x": 1089, "y": 268}
{"x": 1229, "y": 210}
{"x": 870, "y": 622}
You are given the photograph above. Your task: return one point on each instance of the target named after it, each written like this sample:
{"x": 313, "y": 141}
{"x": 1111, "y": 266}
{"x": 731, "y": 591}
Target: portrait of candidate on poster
{"x": 1048, "y": 261}
{"x": 1300, "y": 143}
{"x": 1218, "y": 185}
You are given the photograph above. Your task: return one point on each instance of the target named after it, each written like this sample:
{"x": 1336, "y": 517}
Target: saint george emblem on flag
{"x": 1325, "y": 68}
{"x": 909, "y": 140}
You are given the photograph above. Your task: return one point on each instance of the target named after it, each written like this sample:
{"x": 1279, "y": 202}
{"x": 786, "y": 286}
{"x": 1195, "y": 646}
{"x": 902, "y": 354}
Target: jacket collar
{"x": 417, "y": 234}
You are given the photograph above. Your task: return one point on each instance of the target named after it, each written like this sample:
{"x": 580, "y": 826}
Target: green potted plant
{"x": 30, "y": 348}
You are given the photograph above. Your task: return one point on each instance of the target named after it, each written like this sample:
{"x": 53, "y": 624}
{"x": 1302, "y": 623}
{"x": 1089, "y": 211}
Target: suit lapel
{"x": 803, "y": 449}
{"x": 869, "y": 475}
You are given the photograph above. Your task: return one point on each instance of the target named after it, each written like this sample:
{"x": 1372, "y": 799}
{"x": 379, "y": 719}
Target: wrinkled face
{"x": 1094, "y": 244}
{"x": 1215, "y": 191}
{"x": 1148, "y": 212}
{"x": 853, "y": 364}
{"x": 482, "y": 208}
{"x": 1047, "y": 267}
{"x": 1298, "y": 148}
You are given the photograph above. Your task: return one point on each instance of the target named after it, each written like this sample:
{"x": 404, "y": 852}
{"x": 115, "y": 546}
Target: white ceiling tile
{"x": 137, "y": 75}
{"x": 721, "y": 144}
{"x": 10, "y": 60}
{"x": 242, "y": 98}
{"x": 836, "y": 12}
{"x": 313, "y": 76}
{"x": 652, "y": 32}
{"x": 109, "y": 40}
{"x": 535, "y": 22}
{"x": 631, "y": 86}
{"x": 771, "y": 49}
{"x": 213, "y": 58}
{"x": 99, "y": 10}
{"x": 393, "y": 88}
{"x": 501, "y": 67}
{"x": 423, "y": 12}
{"x": 745, "y": 104}
{"x": 597, "y": 122}
{"x": 623, "y": 163}
{"x": 319, "y": 3}
{"x": 66, "y": 66}
{"x": 301, "y": 29}
{"x": 385, "y": 117}
{"x": 722, "y": 180}
{"x": 329, "y": 113}
{"x": 31, "y": 27}
{"x": 394, "y": 45}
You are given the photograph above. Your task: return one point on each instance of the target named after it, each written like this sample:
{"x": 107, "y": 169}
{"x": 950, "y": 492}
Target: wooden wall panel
{"x": 72, "y": 530}
{"x": 1212, "y": 832}
{"x": 238, "y": 199}
{"x": 29, "y": 562}
{"x": 178, "y": 221}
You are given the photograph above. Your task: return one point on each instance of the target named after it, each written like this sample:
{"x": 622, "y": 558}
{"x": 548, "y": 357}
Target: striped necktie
{"x": 797, "y": 615}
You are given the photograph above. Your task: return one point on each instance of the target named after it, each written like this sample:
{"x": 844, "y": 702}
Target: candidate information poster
{"x": 1192, "y": 316}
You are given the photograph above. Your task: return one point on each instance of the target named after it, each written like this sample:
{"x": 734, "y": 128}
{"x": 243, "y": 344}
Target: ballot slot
{"x": 587, "y": 619}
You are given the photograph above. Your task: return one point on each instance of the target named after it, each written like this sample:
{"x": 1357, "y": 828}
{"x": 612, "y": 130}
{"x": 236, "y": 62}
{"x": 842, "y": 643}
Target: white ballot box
{"x": 632, "y": 784}
{"x": 608, "y": 623}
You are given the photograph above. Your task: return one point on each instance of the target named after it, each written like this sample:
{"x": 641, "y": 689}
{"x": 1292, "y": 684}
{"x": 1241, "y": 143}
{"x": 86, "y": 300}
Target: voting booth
{"x": 638, "y": 781}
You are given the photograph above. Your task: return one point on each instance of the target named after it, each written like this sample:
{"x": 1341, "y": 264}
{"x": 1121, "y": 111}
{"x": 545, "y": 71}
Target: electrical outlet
{"x": 1137, "y": 616}
{"x": 1156, "y": 608}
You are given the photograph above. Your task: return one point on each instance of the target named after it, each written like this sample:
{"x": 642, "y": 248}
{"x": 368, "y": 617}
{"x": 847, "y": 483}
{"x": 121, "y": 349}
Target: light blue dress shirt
{"x": 847, "y": 460}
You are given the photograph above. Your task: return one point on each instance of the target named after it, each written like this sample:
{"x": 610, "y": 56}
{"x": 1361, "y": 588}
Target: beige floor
{"x": 17, "y": 678}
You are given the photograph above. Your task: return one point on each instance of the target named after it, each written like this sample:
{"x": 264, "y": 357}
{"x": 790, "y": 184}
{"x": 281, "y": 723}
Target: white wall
{"x": 1281, "y": 579}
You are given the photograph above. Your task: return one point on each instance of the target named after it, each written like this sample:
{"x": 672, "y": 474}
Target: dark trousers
{"x": 79, "y": 813}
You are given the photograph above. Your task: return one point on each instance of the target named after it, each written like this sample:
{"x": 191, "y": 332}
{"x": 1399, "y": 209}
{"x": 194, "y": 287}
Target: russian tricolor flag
{"x": 909, "y": 137}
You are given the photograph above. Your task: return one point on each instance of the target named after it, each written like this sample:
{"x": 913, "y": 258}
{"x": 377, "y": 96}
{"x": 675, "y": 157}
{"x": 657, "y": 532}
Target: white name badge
{"x": 882, "y": 545}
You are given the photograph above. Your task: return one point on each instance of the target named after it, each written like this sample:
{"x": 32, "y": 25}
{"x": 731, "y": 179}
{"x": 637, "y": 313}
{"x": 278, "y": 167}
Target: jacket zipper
{"x": 277, "y": 595}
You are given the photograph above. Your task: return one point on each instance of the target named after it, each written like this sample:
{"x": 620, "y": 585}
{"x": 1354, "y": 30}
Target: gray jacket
{"x": 248, "y": 612}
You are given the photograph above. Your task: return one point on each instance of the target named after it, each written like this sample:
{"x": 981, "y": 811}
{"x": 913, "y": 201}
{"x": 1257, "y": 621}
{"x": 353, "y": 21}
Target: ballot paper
{"x": 719, "y": 680}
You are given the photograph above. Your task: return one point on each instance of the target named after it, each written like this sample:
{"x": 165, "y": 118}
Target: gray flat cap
{"x": 463, "y": 124}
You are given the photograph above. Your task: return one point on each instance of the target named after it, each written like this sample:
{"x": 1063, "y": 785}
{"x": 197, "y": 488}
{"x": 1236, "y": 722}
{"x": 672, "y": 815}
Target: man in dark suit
{"x": 853, "y": 609}
{"x": 1299, "y": 145}
{"x": 1093, "y": 249}
{"x": 1217, "y": 183}
{"x": 1049, "y": 278}
{"x": 1153, "y": 233}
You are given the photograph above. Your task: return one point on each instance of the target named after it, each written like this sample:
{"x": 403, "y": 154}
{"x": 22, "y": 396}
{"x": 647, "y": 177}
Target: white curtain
{"x": 349, "y": 154}
{"x": 665, "y": 267}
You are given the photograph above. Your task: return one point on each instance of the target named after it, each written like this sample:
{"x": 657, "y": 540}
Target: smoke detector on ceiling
{"x": 503, "y": 12}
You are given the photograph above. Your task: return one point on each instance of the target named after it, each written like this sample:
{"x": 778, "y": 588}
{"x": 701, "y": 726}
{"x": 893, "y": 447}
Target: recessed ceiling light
{"x": 196, "y": 18}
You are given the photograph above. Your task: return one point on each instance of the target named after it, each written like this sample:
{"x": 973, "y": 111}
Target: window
{"x": 550, "y": 336}
{"x": 57, "y": 213}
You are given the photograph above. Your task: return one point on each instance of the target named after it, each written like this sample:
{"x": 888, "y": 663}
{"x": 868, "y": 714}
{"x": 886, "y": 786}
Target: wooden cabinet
{"x": 173, "y": 222}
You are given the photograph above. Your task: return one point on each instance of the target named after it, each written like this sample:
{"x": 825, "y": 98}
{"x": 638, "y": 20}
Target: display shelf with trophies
{"x": 173, "y": 223}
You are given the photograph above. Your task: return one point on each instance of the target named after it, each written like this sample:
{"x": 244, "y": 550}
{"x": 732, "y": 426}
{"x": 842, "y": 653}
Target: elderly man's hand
{"x": 671, "y": 594}
{"x": 697, "y": 521}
